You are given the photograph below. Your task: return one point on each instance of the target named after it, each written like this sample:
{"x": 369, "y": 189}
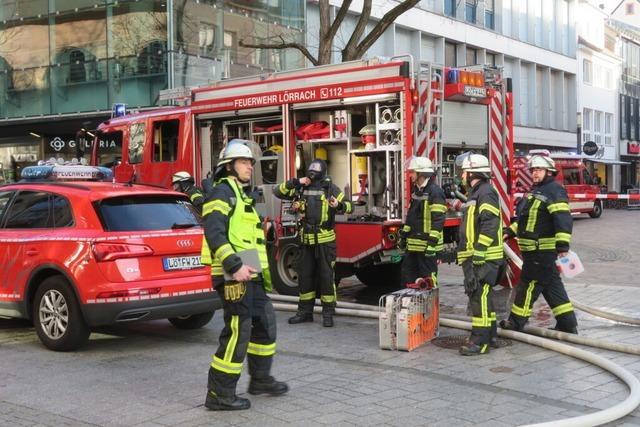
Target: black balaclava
{"x": 317, "y": 170}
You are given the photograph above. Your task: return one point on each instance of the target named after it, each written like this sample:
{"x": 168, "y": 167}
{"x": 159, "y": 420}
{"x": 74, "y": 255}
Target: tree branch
{"x": 342, "y": 12}
{"x": 279, "y": 46}
{"x": 381, "y": 27}
{"x": 358, "y": 31}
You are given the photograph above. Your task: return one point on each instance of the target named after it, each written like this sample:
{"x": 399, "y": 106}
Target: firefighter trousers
{"x": 540, "y": 276}
{"x": 249, "y": 329}
{"x": 315, "y": 274}
{"x": 483, "y": 315}
{"x": 416, "y": 265}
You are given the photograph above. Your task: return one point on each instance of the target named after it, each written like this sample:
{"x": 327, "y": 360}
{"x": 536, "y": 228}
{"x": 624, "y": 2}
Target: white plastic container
{"x": 570, "y": 265}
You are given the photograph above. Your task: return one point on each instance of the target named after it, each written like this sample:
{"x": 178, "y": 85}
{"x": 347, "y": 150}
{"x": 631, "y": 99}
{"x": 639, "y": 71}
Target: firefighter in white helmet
{"x": 480, "y": 251}
{"x": 232, "y": 225}
{"x": 543, "y": 229}
{"x": 421, "y": 235}
{"x": 183, "y": 182}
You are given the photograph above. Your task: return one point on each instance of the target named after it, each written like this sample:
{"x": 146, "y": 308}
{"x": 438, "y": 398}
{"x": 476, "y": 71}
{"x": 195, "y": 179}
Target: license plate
{"x": 181, "y": 262}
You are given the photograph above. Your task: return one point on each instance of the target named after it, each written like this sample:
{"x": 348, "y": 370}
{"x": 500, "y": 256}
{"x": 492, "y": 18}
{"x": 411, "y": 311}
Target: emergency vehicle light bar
{"x": 67, "y": 173}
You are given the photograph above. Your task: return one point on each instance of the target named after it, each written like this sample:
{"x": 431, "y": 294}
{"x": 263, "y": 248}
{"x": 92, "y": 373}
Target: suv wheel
{"x": 57, "y": 316}
{"x": 195, "y": 321}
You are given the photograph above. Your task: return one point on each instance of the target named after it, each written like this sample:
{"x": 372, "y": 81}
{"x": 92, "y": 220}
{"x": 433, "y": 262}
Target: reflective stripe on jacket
{"x": 425, "y": 219}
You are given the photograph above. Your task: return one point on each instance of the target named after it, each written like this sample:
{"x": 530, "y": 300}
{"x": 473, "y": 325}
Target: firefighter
{"x": 318, "y": 200}
{"x": 232, "y": 227}
{"x": 421, "y": 236}
{"x": 543, "y": 229}
{"x": 183, "y": 182}
{"x": 480, "y": 251}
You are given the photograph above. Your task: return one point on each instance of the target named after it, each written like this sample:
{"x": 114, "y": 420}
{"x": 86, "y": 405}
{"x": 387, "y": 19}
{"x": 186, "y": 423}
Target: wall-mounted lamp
{"x": 35, "y": 135}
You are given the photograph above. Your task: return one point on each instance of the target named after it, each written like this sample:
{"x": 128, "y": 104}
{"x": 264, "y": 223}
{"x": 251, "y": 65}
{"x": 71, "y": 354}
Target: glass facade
{"x": 74, "y": 56}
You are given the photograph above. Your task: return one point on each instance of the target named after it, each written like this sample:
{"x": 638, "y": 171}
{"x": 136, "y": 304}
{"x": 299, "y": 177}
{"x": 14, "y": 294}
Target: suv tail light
{"x": 125, "y": 293}
{"x": 113, "y": 251}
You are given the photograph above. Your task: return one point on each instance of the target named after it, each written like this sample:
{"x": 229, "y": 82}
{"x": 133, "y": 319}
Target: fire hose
{"x": 597, "y": 418}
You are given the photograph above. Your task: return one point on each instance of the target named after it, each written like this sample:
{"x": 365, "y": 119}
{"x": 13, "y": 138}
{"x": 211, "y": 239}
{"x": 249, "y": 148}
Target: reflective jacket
{"x": 481, "y": 228}
{"x": 425, "y": 219}
{"x": 318, "y": 220}
{"x": 544, "y": 220}
{"x": 232, "y": 224}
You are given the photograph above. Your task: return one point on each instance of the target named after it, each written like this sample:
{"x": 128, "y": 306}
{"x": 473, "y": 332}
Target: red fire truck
{"x": 367, "y": 118}
{"x": 572, "y": 173}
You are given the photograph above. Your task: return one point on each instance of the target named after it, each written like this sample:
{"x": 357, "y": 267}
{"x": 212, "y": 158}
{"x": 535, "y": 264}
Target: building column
{"x": 546, "y": 98}
{"x": 439, "y": 50}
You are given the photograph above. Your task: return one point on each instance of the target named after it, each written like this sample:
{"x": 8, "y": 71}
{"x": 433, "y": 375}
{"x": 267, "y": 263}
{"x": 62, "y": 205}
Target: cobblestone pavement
{"x": 150, "y": 374}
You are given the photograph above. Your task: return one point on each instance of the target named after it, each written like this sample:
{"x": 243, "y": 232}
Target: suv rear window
{"x": 145, "y": 213}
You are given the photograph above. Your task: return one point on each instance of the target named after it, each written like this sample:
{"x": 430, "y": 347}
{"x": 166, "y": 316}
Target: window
{"x": 628, "y": 9}
{"x": 62, "y": 215}
{"x": 29, "y": 210}
{"x": 472, "y": 56}
{"x": 624, "y": 118}
{"x": 570, "y": 176}
{"x": 152, "y": 59}
{"x": 608, "y": 127}
{"x": 230, "y": 40}
{"x": 165, "y": 140}
{"x": 491, "y": 59}
{"x": 143, "y": 213}
{"x": 450, "y": 7}
{"x": 587, "y": 124}
{"x": 109, "y": 148}
{"x": 538, "y": 22}
{"x": 470, "y": 11}
{"x": 488, "y": 14}
{"x": 450, "y": 52}
{"x": 597, "y": 128}
{"x": 632, "y": 118}
{"x": 5, "y": 197}
{"x": 206, "y": 38}
{"x": 587, "y": 71}
{"x": 136, "y": 142}
{"x": 77, "y": 71}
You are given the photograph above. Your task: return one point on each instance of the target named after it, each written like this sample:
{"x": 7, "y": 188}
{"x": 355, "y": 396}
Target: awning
{"x": 607, "y": 161}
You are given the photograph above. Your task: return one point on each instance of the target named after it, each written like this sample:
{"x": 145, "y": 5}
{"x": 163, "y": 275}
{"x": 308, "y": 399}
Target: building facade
{"x": 598, "y": 75}
{"x": 64, "y": 63}
{"x": 536, "y": 45}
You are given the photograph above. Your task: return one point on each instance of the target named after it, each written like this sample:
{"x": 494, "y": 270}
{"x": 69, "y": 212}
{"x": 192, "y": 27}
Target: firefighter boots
{"x": 267, "y": 385}
{"x": 327, "y": 320}
{"x": 472, "y": 349}
{"x": 508, "y": 325}
{"x": 222, "y": 403}
{"x": 495, "y": 343}
{"x": 301, "y": 318}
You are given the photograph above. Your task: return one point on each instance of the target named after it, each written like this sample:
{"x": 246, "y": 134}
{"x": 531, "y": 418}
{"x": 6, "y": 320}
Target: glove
{"x": 432, "y": 241}
{"x": 470, "y": 285}
{"x": 402, "y": 243}
{"x": 234, "y": 291}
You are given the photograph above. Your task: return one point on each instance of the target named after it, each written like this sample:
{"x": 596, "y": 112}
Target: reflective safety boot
{"x": 508, "y": 325}
{"x": 301, "y": 318}
{"x": 327, "y": 320}
{"x": 223, "y": 403}
{"x": 495, "y": 343}
{"x": 471, "y": 349}
{"x": 267, "y": 385}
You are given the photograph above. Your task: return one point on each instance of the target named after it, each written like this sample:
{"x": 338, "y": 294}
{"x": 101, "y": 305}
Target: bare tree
{"x": 358, "y": 43}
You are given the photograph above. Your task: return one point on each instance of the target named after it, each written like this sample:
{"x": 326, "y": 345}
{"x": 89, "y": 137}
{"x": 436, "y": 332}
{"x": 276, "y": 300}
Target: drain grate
{"x": 455, "y": 341}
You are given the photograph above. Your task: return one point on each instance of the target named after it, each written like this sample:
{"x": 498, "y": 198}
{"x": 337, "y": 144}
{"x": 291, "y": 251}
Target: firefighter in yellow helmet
{"x": 543, "y": 228}
{"x": 421, "y": 235}
{"x": 480, "y": 251}
{"x": 318, "y": 199}
{"x": 183, "y": 182}
{"x": 232, "y": 228}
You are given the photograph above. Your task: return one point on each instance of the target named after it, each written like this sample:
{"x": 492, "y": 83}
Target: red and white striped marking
{"x": 597, "y": 196}
{"x": 496, "y": 155}
{"x": 425, "y": 140}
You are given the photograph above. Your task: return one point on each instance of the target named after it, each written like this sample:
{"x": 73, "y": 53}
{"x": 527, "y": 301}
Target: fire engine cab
{"x": 367, "y": 118}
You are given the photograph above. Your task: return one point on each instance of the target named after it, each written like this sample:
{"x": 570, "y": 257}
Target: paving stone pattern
{"x": 150, "y": 374}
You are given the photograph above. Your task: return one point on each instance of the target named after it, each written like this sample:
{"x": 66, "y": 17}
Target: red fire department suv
{"x": 78, "y": 253}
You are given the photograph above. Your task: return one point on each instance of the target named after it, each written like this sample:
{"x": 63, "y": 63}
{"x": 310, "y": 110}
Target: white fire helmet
{"x": 471, "y": 162}
{"x": 181, "y": 176}
{"x": 543, "y": 162}
{"x": 420, "y": 165}
{"x": 236, "y": 149}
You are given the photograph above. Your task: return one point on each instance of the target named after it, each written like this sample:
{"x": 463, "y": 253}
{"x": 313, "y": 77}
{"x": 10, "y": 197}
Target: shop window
{"x": 151, "y": 59}
{"x": 165, "y": 140}
{"x": 29, "y": 210}
{"x": 136, "y": 143}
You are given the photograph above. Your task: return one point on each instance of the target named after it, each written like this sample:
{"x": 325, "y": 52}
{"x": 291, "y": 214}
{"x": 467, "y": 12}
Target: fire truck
{"x": 367, "y": 118}
{"x": 572, "y": 174}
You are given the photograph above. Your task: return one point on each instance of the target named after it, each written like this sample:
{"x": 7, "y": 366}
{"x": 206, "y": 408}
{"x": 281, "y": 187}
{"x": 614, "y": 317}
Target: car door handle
{"x": 32, "y": 252}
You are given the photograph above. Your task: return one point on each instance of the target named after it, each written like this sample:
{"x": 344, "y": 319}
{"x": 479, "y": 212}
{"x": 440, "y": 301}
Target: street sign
{"x": 590, "y": 148}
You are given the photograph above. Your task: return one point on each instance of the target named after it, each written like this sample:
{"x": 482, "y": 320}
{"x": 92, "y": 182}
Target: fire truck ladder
{"x": 429, "y": 120}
